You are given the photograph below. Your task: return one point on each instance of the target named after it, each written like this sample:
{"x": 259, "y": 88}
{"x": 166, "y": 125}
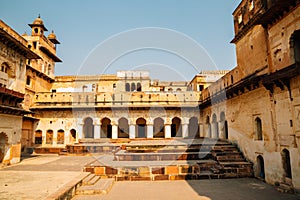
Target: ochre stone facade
{"x": 255, "y": 105}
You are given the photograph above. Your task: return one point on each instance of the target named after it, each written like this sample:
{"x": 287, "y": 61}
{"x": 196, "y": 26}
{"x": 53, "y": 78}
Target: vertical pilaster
{"x": 114, "y": 131}
{"x": 149, "y": 130}
{"x": 132, "y": 131}
{"x": 185, "y": 130}
{"x": 167, "y": 131}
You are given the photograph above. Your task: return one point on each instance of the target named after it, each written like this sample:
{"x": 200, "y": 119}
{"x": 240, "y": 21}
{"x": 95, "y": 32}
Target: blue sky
{"x": 92, "y": 31}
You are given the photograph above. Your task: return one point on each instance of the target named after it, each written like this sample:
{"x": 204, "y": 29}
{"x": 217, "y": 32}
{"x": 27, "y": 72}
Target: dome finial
{"x": 39, "y": 16}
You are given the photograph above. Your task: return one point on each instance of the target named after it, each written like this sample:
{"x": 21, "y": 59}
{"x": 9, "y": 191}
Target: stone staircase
{"x": 174, "y": 161}
{"x": 93, "y": 185}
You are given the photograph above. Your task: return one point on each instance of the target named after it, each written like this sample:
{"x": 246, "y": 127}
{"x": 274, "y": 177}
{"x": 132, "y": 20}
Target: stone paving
{"x": 41, "y": 176}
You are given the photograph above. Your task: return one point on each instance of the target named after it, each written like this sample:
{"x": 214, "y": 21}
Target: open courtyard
{"x": 43, "y": 176}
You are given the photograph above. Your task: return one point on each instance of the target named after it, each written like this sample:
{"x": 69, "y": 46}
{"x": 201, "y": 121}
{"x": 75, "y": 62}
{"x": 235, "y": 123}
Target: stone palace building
{"x": 256, "y": 105}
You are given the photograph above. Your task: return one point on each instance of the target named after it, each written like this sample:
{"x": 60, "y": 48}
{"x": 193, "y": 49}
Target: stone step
{"x": 285, "y": 188}
{"x": 87, "y": 179}
{"x": 102, "y": 186}
{"x": 93, "y": 180}
{"x": 230, "y": 158}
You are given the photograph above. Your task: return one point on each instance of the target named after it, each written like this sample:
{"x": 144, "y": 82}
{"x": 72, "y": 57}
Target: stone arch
{"x": 106, "y": 128}
{"x": 260, "y": 172}
{"x": 193, "y": 128}
{"x": 158, "y": 128}
{"x": 176, "y": 128}
{"x": 133, "y": 87}
{"x": 60, "y": 136}
{"x": 138, "y": 87}
{"x": 123, "y": 128}
{"x": 3, "y": 145}
{"x": 258, "y": 129}
{"x": 215, "y": 126}
{"x": 73, "y": 135}
{"x": 38, "y": 138}
{"x": 223, "y": 126}
{"x": 49, "y": 136}
{"x": 286, "y": 162}
{"x": 127, "y": 87}
{"x": 141, "y": 128}
{"x": 88, "y": 128}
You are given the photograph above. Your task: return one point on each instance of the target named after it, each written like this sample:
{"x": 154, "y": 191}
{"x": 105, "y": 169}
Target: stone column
{"x": 167, "y": 131}
{"x": 44, "y": 136}
{"x": 79, "y": 133}
{"x": 132, "y": 131}
{"x": 185, "y": 130}
{"x": 97, "y": 128}
{"x": 114, "y": 131}
{"x": 54, "y": 142}
{"x": 221, "y": 130}
{"x": 214, "y": 130}
{"x": 149, "y": 130}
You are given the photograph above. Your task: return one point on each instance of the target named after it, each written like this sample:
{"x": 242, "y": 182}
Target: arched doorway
{"x": 193, "y": 130}
{"x": 176, "y": 129}
{"x": 215, "y": 128}
{"x": 49, "y": 137}
{"x": 226, "y": 129}
{"x": 141, "y": 128}
{"x": 123, "y": 128}
{"x": 258, "y": 129}
{"x": 60, "y": 136}
{"x": 260, "y": 167}
{"x": 133, "y": 88}
{"x": 223, "y": 130}
{"x": 286, "y": 161}
{"x": 72, "y": 135}
{"x": 3, "y": 143}
{"x": 88, "y": 128}
{"x": 138, "y": 87}
{"x": 106, "y": 128}
{"x": 127, "y": 87}
{"x": 38, "y": 138}
{"x": 158, "y": 128}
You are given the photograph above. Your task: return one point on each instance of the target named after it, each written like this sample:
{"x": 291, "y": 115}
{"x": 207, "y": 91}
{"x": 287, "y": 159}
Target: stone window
{"x": 240, "y": 18}
{"x": 133, "y": 88}
{"x": 28, "y": 80}
{"x": 258, "y": 129}
{"x": 139, "y": 87}
{"x": 38, "y": 137}
{"x": 127, "y": 87}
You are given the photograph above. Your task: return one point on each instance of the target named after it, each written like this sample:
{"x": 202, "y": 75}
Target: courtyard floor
{"x": 40, "y": 176}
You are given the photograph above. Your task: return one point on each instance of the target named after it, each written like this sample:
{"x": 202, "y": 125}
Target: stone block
{"x": 172, "y": 170}
{"x": 99, "y": 170}
{"x": 158, "y": 170}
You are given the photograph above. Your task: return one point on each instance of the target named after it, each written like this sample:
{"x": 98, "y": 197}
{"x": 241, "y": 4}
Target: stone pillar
{"x": 79, "y": 133}
{"x": 97, "y": 128}
{"x": 132, "y": 131}
{"x": 221, "y": 130}
{"x": 54, "y": 143}
{"x": 214, "y": 130}
{"x": 185, "y": 130}
{"x": 114, "y": 132}
{"x": 44, "y": 136}
{"x": 167, "y": 131}
{"x": 149, "y": 130}
{"x": 201, "y": 130}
